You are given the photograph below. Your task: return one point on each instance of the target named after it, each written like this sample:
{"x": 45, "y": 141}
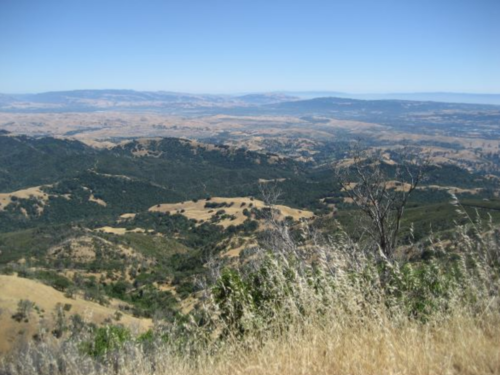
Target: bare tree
{"x": 278, "y": 233}
{"x": 380, "y": 188}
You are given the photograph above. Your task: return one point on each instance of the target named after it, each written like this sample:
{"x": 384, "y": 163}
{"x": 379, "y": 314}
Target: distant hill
{"x": 412, "y": 116}
{"x": 91, "y": 100}
{"x": 446, "y": 97}
{"x": 336, "y": 104}
{"x": 174, "y": 102}
{"x": 7, "y": 99}
{"x": 113, "y": 95}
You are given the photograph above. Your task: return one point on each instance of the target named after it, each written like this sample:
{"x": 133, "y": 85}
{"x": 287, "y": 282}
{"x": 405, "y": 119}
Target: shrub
{"x": 106, "y": 339}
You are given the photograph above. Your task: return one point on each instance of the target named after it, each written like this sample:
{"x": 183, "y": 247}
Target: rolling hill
{"x": 131, "y": 226}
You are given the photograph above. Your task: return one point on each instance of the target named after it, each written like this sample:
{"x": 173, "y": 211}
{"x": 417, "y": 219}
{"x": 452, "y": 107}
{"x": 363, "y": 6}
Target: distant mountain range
{"x": 185, "y": 103}
{"x": 130, "y": 99}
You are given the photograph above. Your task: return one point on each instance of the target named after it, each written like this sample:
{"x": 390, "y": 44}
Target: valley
{"x": 120, "y": 214}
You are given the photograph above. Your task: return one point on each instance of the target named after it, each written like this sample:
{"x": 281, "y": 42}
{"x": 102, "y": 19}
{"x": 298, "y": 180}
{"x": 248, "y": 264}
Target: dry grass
{"x": 197, "y": 210}
{"x": 34, "y": 193}
{"x": 458, "y": 345}
{"x": 121, "y": 231}
{"x": 100, "y": 202}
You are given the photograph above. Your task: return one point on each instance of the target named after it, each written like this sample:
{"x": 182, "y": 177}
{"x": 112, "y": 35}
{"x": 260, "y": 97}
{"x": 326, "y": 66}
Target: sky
{"x": 239, "y": 46}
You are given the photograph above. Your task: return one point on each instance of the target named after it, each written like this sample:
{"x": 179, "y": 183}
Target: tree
{"x": 24, "y": 308}
{"x": 380, "y": 187}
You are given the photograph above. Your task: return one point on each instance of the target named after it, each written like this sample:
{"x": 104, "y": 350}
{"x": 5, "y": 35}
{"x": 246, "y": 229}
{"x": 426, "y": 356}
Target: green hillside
{"x": 78, "y": 218}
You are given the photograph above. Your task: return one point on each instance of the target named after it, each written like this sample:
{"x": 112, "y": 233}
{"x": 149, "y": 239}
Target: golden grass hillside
{"x": 30, "y": 193}
{"x": 200, "y": 211}
{"x": 45, "y": 298}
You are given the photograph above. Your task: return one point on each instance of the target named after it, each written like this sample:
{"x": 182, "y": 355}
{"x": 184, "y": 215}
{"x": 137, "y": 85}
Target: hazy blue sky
{"x": 245, "y": 46}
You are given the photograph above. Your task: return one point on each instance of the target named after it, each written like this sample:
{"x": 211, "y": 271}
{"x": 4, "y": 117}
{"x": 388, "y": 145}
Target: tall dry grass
{"x": 319, "y": 307}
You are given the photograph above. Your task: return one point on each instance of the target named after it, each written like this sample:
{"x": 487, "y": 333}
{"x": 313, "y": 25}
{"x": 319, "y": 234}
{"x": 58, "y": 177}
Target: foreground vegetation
{"x": 311, "y": 305}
